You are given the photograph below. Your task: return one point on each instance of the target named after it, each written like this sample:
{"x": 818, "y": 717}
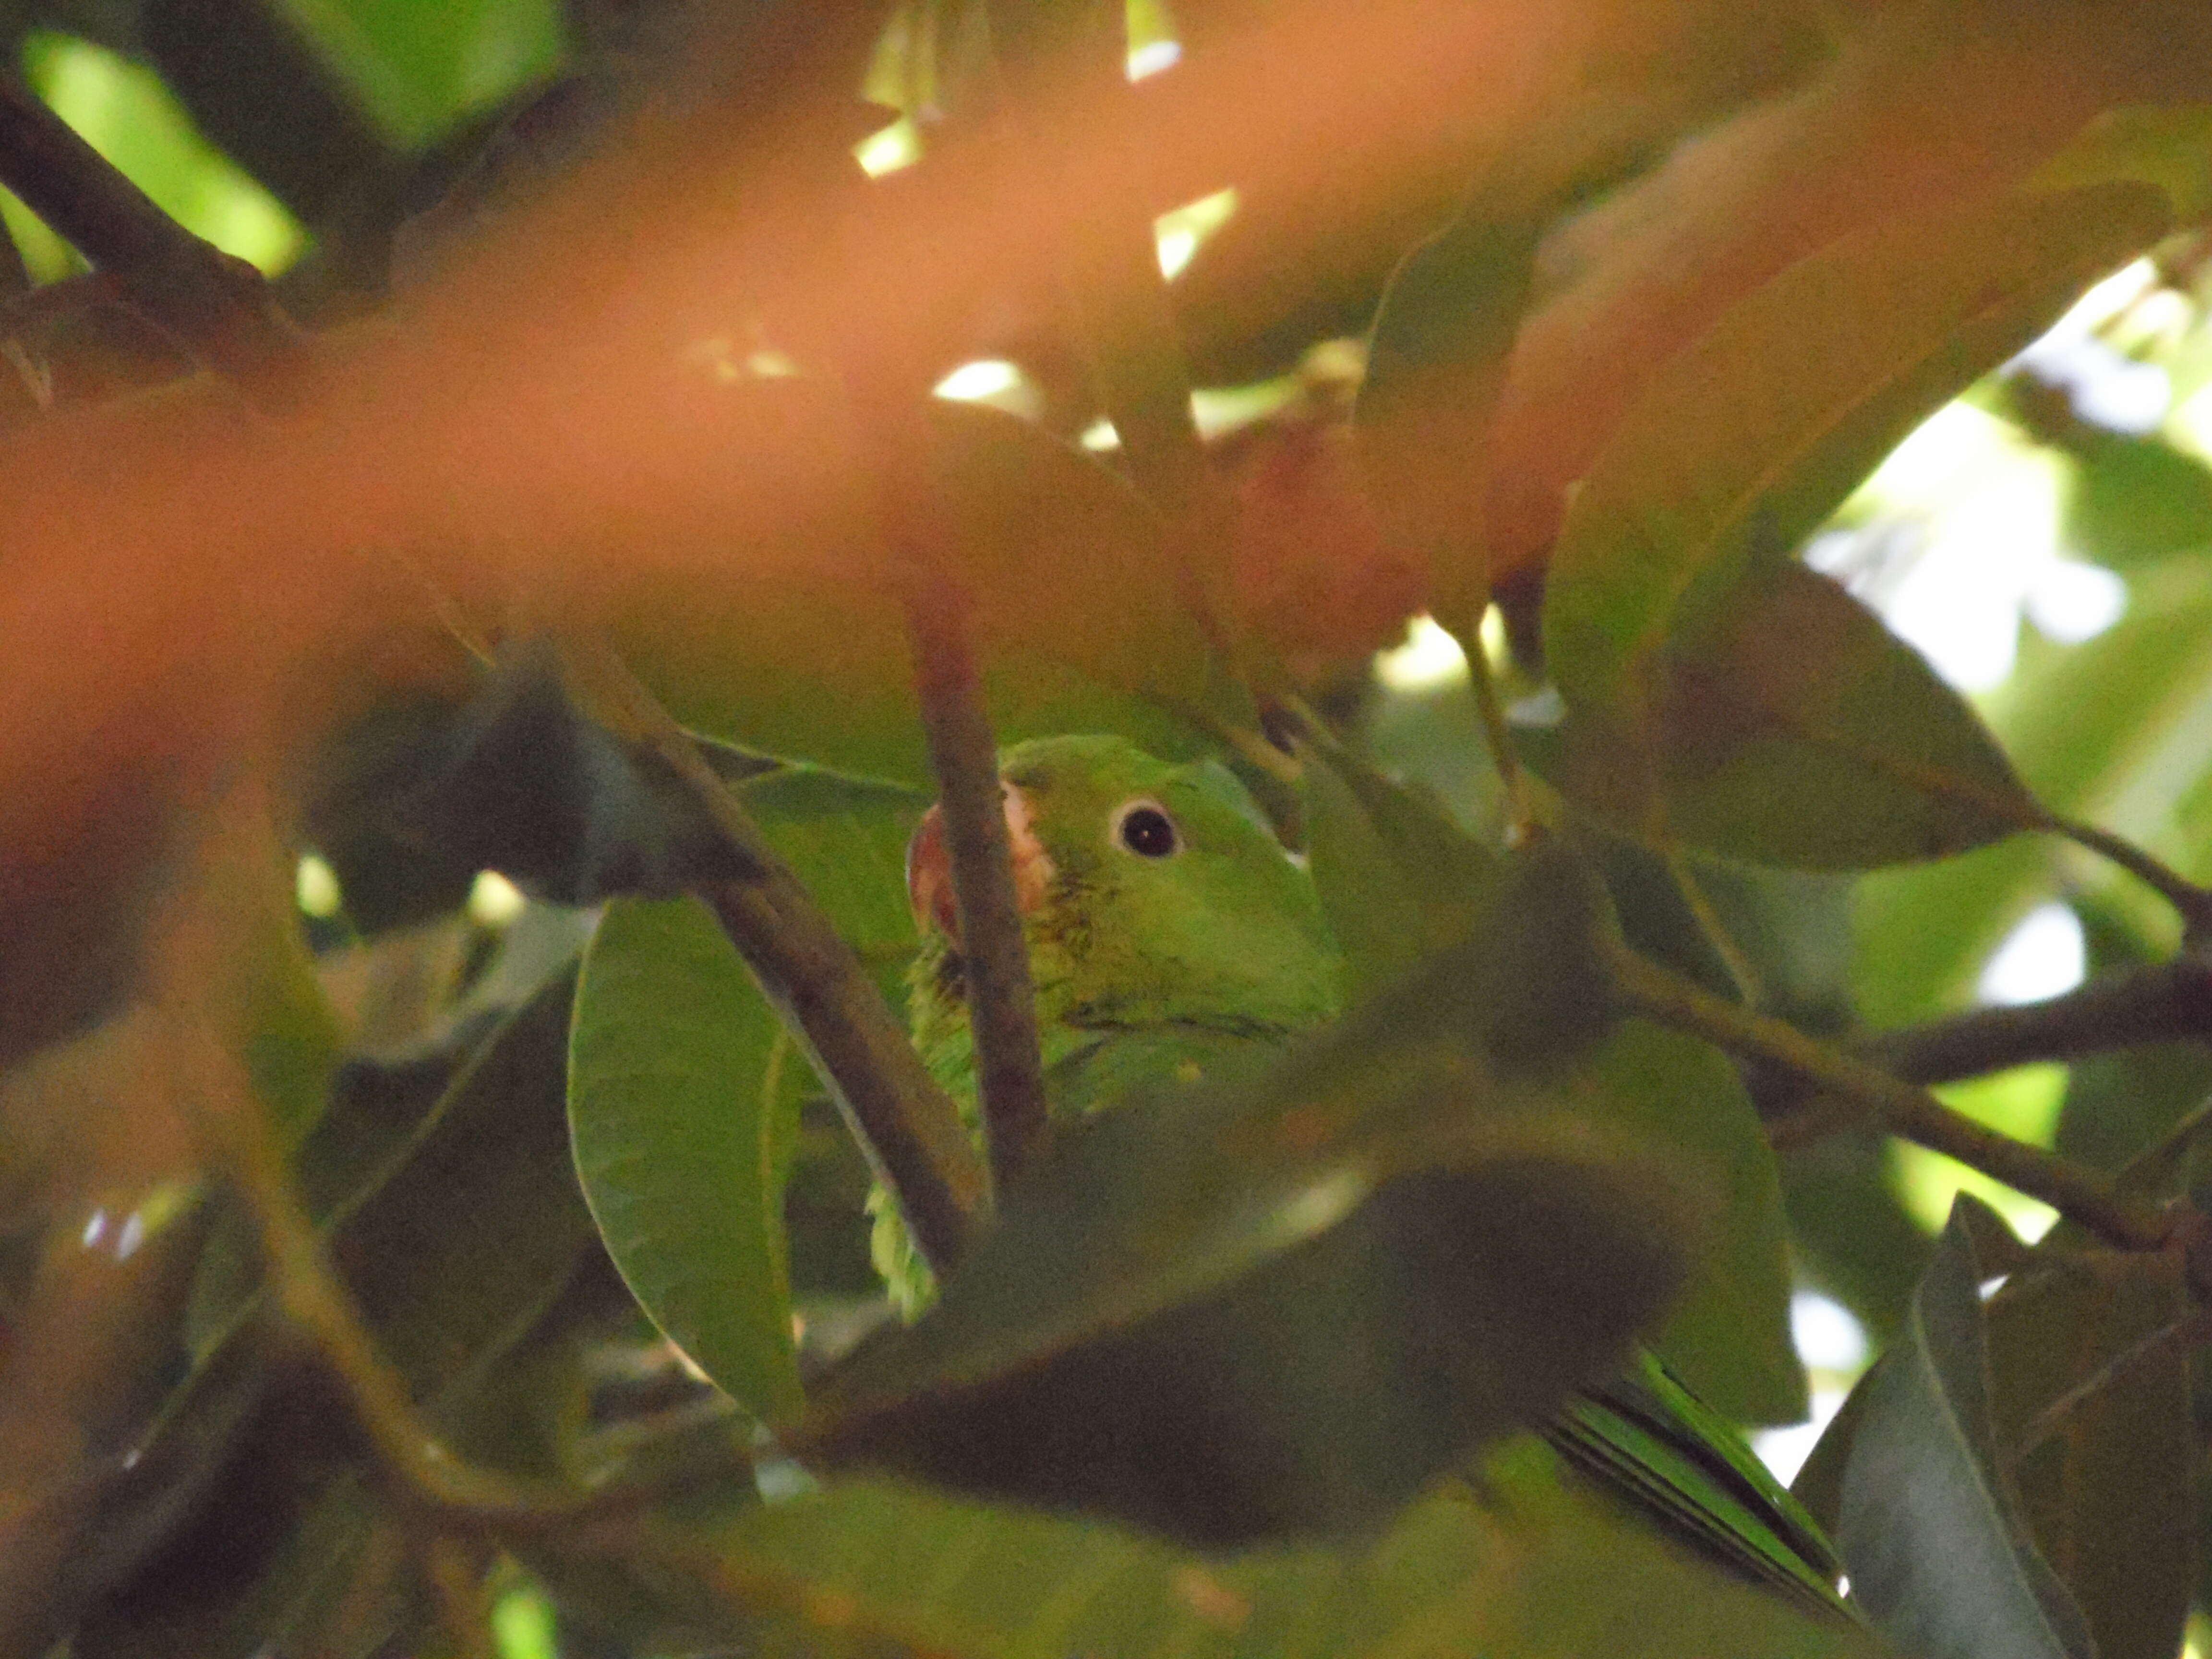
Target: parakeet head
{"x": 1154, "y": 894}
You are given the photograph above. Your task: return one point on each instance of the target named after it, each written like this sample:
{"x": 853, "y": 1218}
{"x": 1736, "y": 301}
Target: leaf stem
{"x": 1902, "y": 1109}
{"x": 1522, "y": 822}
{"x": 905, "y": 1124}
{"x": 2192, "y": 903}
{"x": 219, "y": 305}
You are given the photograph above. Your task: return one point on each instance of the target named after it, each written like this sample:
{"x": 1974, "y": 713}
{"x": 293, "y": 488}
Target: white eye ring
{"x": 1145, "y": 828}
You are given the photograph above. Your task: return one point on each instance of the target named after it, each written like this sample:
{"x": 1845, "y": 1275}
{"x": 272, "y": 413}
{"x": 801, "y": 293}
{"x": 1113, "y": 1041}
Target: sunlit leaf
{"x": 421, "y": 65}
{"x": 681, "y": 1106}
{"x": 124, "y": 112}
{"x": 1755, "y": 433}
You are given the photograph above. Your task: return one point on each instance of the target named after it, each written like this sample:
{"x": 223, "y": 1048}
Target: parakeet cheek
{"x": 929, "y": 865}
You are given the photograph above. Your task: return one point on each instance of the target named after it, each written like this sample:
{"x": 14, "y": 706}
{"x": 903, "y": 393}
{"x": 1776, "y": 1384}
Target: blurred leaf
{"x": 2135, "y": 500}
{"x": 800, "y": 648}
{"x": 1729, "y": 1334}
{"x": 452, "y": 1254}
{"x": 1755, "y": 433}
{"x": 1523, "y": 1563}
{"x": 1927, "y": 1519}
{"x": 1851, "y": 1234}
{"x": 2110, "y": 731}
{"x": 2110, "y": 1496}
{"x": 1208, "y": 1311}
{"x": 1397, "y": 878}
{"x": 682, "y": 1101}
{"x": 1435, "y": 362}
{"x": 2169, "y": 145}
{"x": 418, "y": 66}
{"x": 1798, "y": 730}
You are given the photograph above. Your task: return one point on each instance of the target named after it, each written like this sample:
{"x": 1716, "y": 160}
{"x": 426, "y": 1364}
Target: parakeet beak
{"x": 929, "y": 866}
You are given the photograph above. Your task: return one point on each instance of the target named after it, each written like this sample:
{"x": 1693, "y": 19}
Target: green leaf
{"x": 1797, "y": 730}
{"x": 1283, "y": 1305}
{"x": 1397, "y": 878}
{"x": 1753, "y": 435}
{"x": 1941, "y": 1556}
{"x": 1520, "y": 1563}
{"x": 2169, "y": 145}
{"x": 418, "y": 67}
{"x": 682, "y": 1101}
{"x": 800, "y": 647}
{"x": 1729, "y": 1334}
{"x": 1435, "y": 362}
{"x": 2110, "y": 1495}
{"x": 2111, "y": 731}
{"x": 2136, "y": 500}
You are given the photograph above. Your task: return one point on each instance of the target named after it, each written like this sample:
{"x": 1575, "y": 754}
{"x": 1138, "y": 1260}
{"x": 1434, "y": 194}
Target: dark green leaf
{"x": 1435, "y": 362}
{"x": 1926, "y": 1516}
{"x": 1729, "y": 1334}
{"x": 2110, "y": 1490}
{"x": 683, "y": 1100}
{"x": 1283, "y": 1306}
{"x": 1519, "y": 1563}
{"x": 453, "y": 1250}
{"x": 1798, "y": 730}
{"x": 1397, "y": 878}
{"x": 1756, "y": 433}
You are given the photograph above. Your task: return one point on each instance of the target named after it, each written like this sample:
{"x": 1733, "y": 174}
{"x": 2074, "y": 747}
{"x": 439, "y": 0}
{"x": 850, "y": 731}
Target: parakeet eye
{"x": 1145, "y": 829}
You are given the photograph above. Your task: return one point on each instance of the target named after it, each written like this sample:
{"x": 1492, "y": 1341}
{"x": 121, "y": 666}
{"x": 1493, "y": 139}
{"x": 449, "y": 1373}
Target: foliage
{"x": 466, "y": 700}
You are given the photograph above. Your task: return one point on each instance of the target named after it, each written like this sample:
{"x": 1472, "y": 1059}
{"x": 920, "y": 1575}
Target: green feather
{"x": 1215, "y": 955}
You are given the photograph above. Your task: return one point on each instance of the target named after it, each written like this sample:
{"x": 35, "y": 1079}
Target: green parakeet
{"x": 1171, "y": 936}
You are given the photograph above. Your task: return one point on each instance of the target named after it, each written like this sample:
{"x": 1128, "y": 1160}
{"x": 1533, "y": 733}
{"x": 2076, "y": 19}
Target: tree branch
{"x": 2166, "y": 1002}
{"x": 217, "y": 304}
{"x": 1902, "y": 1109}
{"x": 994, "y": 952}
{"x": 904, "y": 1122}
{"x": 2193, "y": 904}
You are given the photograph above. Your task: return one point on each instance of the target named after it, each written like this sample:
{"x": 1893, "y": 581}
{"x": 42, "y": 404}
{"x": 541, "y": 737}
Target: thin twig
{"x": 904, "y": 1122}
{"x": 993, "y": 953}
{"x": 1902, "y": 1109}
{"x": 218, "y": 305}
{"x": 2192, "y": 903}
{"x": 2165, "y": 1002}
{"x": 2148, "y": 1170}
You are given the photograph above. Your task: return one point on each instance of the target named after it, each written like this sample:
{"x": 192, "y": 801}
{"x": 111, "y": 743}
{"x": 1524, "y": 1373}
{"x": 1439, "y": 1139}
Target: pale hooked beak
{"x": 929, "y": 866}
